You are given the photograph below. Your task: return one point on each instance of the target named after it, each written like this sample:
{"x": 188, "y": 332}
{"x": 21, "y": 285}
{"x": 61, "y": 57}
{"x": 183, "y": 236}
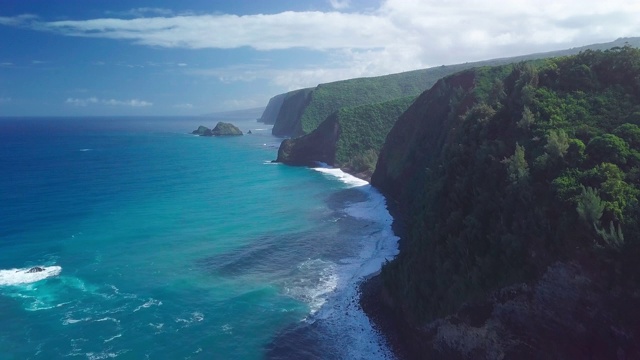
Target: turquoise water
{"x": 160, "y": 244}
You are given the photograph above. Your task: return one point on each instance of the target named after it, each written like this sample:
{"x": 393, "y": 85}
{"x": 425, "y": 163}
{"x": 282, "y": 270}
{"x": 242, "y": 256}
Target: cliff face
{"x": 270, "y": 113}
{"x": 350, "y": 138}
{"x": 516, "y": 194}
{"x": 319, "y": 146}
{"x": 290, "y": 112}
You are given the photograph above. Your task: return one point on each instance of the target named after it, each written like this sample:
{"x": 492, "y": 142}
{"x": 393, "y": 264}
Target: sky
{"x": 191, "y": 57}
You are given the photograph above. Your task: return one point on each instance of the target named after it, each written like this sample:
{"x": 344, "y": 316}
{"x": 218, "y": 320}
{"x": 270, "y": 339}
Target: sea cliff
{"x": 515, "y": 193}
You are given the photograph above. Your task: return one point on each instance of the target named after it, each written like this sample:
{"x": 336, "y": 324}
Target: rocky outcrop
{"x": 350, "y": 138}
{"x": 221, "y": 129}
{"x": 273, "y": 108}
{"x": 202, "y": 131}
{"x": 225, "y": 129}
{"x": 319, "y": 146}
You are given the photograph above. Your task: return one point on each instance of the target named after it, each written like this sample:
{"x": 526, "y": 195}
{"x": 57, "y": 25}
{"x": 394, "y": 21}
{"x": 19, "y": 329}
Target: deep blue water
{"x": 160, "y": 244}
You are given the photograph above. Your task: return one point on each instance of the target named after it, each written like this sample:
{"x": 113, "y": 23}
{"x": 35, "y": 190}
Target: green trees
{"x": 608, "y": 147}
{"x": 590, "y": 206}
{"x": 557, "y": 143}
{"x": 517, "y": 168}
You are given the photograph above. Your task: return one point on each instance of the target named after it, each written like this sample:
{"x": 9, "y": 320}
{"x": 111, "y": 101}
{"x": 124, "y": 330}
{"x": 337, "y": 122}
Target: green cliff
{"x": 290, "y": 111}
{"x": 302, "y": 111}
{"x": 350, "y": 138}
{"x": 515, "y": 191}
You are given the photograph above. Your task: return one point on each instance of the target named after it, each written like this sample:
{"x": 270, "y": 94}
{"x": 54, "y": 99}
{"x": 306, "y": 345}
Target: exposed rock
{"x": 225, "y": 129}
{"x": 35, "y": 269}
{"x": 319, "y": 146}
{"x": 202, "y": 131}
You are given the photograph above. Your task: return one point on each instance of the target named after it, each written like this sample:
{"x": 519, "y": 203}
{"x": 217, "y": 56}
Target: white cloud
{"x": 142, "y": 12}
{"x": 111, "y": 102}
{"x": 6, "y": 63}
{"x": 17, "y": 20}
{"x": 339, "y": 4}
{"x": 399, "y": 35}
{"x": 181, "y": 64}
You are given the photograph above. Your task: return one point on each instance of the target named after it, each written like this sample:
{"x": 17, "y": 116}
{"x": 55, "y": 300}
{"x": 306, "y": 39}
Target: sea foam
{"x": 22, "y": 276}
{"x": 354, "y": 333}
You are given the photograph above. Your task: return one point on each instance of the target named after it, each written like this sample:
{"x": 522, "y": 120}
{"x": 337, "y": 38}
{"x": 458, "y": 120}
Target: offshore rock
{"x": 225, "y": 129}
{"x": 202, "y": 131}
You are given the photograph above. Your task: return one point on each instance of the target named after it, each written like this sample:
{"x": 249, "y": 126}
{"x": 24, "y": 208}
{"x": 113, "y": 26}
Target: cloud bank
{"x": 399, "y": 35}
{"x": 110, "y": 102}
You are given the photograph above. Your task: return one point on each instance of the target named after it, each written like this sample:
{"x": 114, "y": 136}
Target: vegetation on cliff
{"x": 499, "y": 172}
{"x": 351, "y": 137}
{"x": 302, "y": 111}
{"x": 290, "y": 111}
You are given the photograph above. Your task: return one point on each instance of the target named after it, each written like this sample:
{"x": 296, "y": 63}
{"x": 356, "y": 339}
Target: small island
{"x": 221, "y": 129}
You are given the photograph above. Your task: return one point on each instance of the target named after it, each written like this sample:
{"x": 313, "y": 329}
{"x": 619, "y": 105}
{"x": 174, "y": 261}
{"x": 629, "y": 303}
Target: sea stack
{"x": 221, "y": 129}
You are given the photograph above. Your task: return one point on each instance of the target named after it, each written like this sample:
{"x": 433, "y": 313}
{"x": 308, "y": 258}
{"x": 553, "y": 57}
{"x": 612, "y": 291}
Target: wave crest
{"x": 23, "y": 276}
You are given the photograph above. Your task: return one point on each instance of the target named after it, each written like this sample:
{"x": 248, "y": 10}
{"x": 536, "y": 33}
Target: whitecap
{"x": 23, "y": 276}
{"x": 315, "y": 281}
{"x": 84, "y": 150}
{"x": 112, "y": 338}
{"x": 108, "y": 319}
{"x": 340, "y": 175}
{"x": 69, "y": 321}
{"x": 151, "y": 302}
{"x": 196, "y": 316}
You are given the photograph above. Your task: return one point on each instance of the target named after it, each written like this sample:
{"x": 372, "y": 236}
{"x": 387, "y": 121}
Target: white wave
{"x": 23, "y": 276}
{"x": 148, "y": 304}
{"x": 107, "y": 354}
{"x": 316, "y": 281}
{"x": 69, "y": 321}
{"x": 112, "y": 338}
{"x": 108, "y": 319}
{"x": 196, "y": 316}
{"x": 352, "y": 330}
{"x": 83, "y": 150}
{"x": 340, "y": 175}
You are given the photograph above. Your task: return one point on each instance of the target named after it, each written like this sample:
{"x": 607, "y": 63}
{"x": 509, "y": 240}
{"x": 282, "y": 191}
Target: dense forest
{"x": 497, "y": 173}
{"x": 350, "y": 138}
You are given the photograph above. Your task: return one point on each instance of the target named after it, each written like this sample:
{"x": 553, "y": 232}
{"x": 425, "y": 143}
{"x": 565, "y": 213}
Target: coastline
{"x": 401, "y": 338}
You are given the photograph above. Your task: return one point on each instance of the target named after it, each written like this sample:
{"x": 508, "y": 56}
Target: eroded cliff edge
{"x": 515, "y": 190}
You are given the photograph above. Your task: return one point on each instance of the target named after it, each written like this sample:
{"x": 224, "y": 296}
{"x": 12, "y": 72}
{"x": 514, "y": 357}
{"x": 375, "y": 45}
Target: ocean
{"x": 159, "y": 244}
